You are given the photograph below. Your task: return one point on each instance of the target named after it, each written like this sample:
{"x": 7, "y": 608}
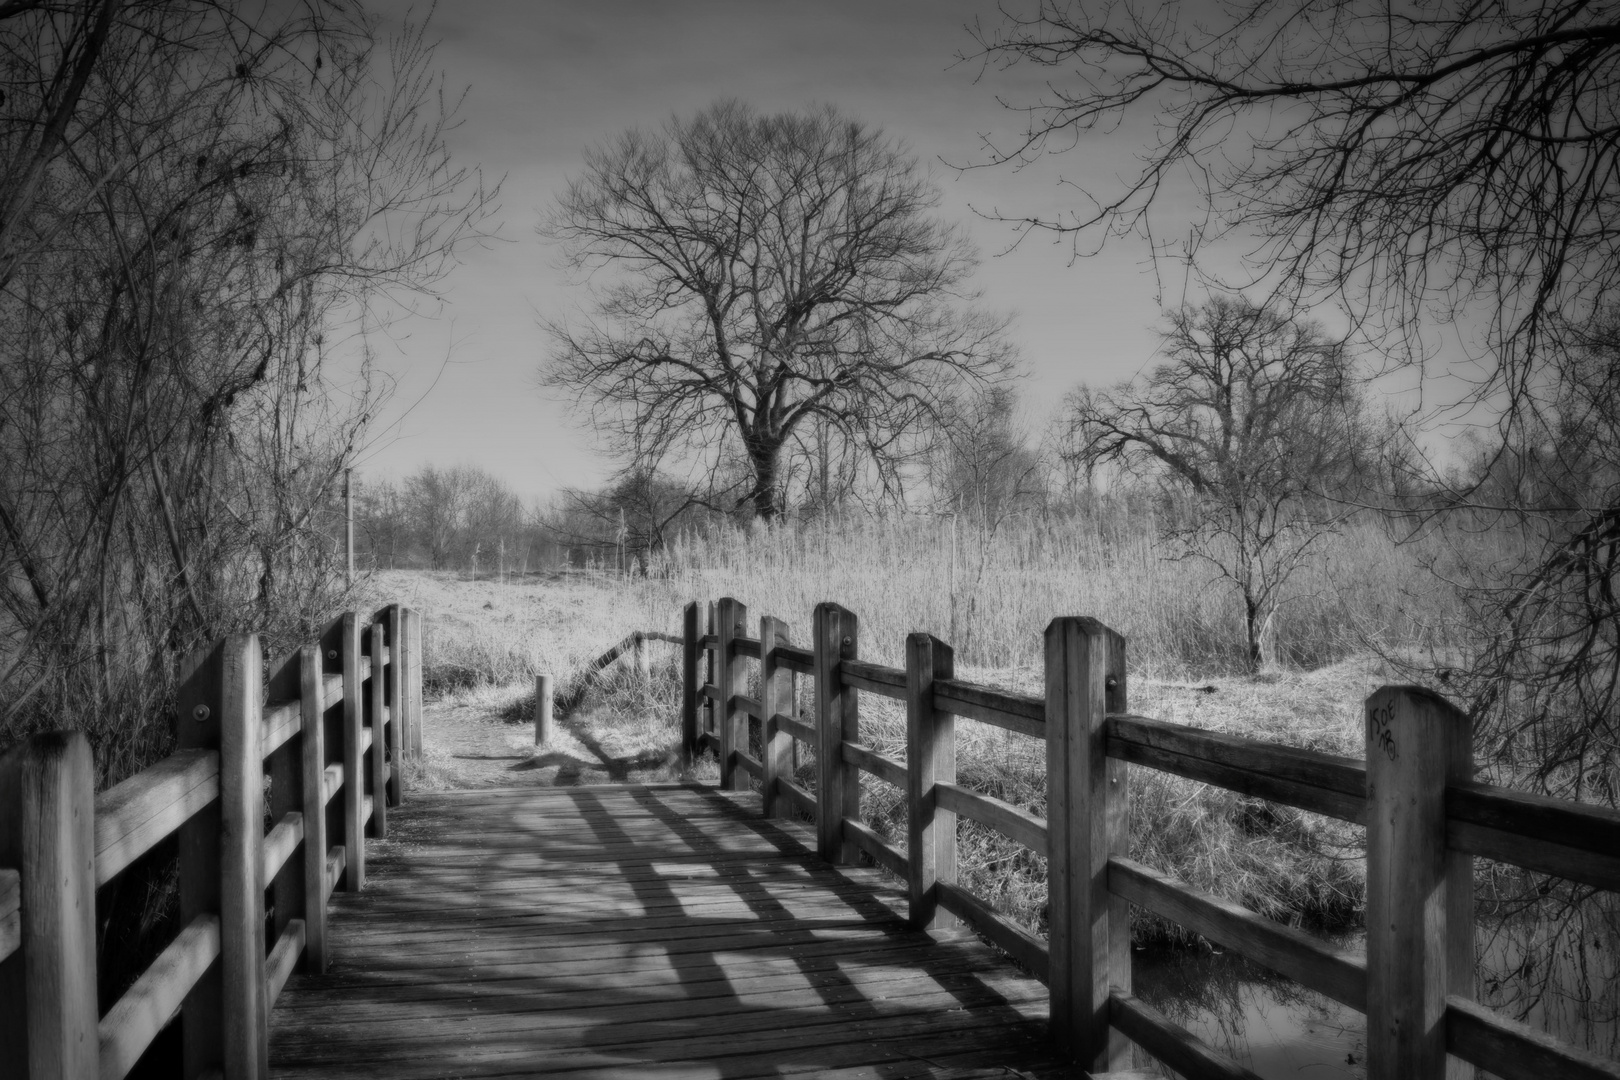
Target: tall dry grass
{"x": 990, "y": 592}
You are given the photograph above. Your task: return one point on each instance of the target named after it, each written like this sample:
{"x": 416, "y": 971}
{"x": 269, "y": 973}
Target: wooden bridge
{"x": 681, "y": 931}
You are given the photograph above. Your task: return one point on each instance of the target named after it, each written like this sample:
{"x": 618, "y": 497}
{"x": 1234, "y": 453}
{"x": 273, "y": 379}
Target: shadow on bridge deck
{"x": 657, "y": 931}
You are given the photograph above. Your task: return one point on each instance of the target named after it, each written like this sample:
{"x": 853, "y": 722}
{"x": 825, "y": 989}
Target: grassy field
{"x": 1347, "y": 622}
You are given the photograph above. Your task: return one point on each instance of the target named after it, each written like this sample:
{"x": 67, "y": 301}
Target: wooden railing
{"x": 1426, "y": 819}
{"x": 330, "y": 728}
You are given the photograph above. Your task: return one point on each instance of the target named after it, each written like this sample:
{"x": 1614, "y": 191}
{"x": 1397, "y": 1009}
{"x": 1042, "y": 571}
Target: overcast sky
{"x": 550, "y": 78}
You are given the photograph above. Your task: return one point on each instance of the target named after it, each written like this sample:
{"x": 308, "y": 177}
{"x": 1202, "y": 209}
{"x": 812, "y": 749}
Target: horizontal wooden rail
{"x": 1014, "y": 712}
{"x": 869, "y": 760}
{"x": 1416, "y": 766}
{"x": 280, "y": 843}
{"x": 1553, "y": 836}
{"x": 1309, "y": 961}
{"x": 10, "y": 907}
{"x": 709, "y": 740}
{"x": 883, "y": 853}
{"x": 800, "y": 731}
{"x": 136, "y": 815}
{"x": 1515, "y": 1051}
{"x": 801, "y": 799}
{"x": 802, "y": 661}
{"x": 1322, "y": 783}
{"x": 1171, "y": 1043}
{"x": 278, "y": 966}
{"x": 751, "y": 765}
{"x": 147, "y": 1007}
{"x": 1012, "y": 939}
{"x": 874, "y": 678}
{"x": 282, "y": 720}
{"x": 1004, "y": 817}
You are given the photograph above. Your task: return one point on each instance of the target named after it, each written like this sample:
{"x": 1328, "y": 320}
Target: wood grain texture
{"x": 241, "y": 859}
{"x": 48, "y": 988}
{"x": 837, "y": 641}
{"x": 879, "y": 765}
{"x": 1420, "y": 910}
{"x": 1321, "y": 783}
{"x": 778, "y": 702}
{"x": 312, "y": 774}
{"x": 137, "y": 814}
{"x": 352, "y": 744}
{"x": 1171, "y": 1043}
{"x": 1023, "y": 713}
{"x": 1517, "y": 1051}
{"x": 147, "y": 1007}
{"x": 1307, "y": 960}
{"x": 1004, "y": 817}
{"x": 642, "y": 949}
{"x": 690, "y": 683}
{"x": 930, "y": 760}
{"x": 1016, "y": 941}
{"x": 731, "y": 678}
{"x": 875, "y": 678}
{"x": 377, "y": 730}
{"x": 1087, "y": 803}
{"x": 1538, "y": 832}
{"x": 10, "y": 916}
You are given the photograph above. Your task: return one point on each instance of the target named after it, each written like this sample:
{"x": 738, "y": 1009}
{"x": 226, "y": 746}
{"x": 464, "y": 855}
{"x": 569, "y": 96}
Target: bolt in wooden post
{"x": 1086, "y": 819}
{"x": 838, "y": 718}
{"x": 542, "y": 710}
{"x": 354, "y": 766}
{"x": 48, "y": 986}
{"x": 1420, "y": 917}
{"x": 776, "y": 699}
{"x": 312, "y": 772}
{"x": 377, "y": 711}
{"x": 733, "y": 680}
{"x": 689, "y": 684}
{"x": 930, "y": 759}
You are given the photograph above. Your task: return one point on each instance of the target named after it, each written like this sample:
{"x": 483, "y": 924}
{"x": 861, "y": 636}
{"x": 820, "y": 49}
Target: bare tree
{"x": 756, "y": 273}
{"x": 982, "y": 462}
{"x": 197, "y": 199}
{"x": 1253, "y": 416}
{"x": 1408, "y": 161}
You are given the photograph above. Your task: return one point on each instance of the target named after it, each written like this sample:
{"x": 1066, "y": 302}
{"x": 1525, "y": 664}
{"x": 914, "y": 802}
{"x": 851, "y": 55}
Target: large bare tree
{"x": 1255, "y": 417}
{"x": 755, "y": 274}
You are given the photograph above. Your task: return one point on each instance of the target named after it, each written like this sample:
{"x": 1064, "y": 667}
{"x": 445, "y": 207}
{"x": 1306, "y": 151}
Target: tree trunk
{"x": 1251, "y": 615}
{"x": 764, "y": 497}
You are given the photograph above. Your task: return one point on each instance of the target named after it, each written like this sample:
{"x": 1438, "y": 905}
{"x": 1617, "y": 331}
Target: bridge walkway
{"x": 641, "y": 931}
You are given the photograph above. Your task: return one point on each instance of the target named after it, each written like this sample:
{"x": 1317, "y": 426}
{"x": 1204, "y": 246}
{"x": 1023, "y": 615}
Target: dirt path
{"x": 471, "y": 746}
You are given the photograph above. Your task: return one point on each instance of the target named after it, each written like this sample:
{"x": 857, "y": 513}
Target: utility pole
{"x": 348, "y": 521}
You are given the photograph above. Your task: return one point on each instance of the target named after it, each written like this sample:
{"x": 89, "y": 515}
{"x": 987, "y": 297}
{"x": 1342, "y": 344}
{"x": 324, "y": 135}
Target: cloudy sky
{"x": 549, "y": 78}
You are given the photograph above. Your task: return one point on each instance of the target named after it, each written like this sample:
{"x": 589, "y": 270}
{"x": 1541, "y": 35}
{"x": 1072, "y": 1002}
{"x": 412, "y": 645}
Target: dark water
{"x": 1557, "y": 969}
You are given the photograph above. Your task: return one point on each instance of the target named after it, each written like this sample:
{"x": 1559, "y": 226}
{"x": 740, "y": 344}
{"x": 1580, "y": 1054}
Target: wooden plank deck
{"x": 640, "y": 931}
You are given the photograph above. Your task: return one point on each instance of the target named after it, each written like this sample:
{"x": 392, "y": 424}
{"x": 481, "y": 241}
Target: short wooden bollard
{"x": 542, "y": 710}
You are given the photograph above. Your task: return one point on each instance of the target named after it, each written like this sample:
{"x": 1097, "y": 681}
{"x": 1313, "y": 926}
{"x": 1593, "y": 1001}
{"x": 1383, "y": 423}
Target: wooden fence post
{"x": 643, "y": 658}
{"x": 775, "y": 698}
{"x": 1089, "y": 932}
{"x": 413, "y": 677}
{"x": 542, "y": 710}
{"x": 930, "y": 759}
{"x": 710, "y": 724}
{"x": 733, "y": 680}
{"x": 221, "y": 861}
{"x": 1420, "y": 901}
{"x": 838, "y": 788}
{"x": 388, "y": 619}
{"x": 48, "y": 1003}
{"x": 377, "y": 713}
{"x": 689, "y": 684}
{"x": 354, "y": 771}
{"x": 312, "y": 761}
